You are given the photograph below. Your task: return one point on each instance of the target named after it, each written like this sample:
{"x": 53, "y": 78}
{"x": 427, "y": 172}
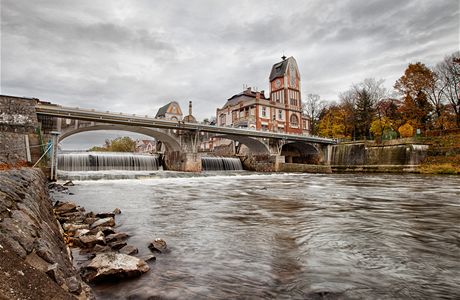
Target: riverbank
{"x": 443, "y": 155}
{"x": 35, "y": 262}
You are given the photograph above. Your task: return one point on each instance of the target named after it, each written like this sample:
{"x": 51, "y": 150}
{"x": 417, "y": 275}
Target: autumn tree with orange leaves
{"x": 413, "y": 86}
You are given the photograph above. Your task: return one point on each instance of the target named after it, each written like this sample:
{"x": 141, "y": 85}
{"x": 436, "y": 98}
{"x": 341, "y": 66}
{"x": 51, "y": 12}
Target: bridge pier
{"x": 262, "y": 162}
{"x": 182, "y": 161}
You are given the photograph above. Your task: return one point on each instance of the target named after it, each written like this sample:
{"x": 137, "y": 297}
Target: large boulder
{"x": 109, "y": 266}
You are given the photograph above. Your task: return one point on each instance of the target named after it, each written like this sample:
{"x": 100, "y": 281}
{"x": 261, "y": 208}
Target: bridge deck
{"x": 134, "y": 120}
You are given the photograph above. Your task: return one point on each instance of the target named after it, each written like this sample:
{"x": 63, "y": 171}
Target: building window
{"x": 280, "y": 114}
{"x": 264, "y": 111}
{"x": 294, "y": 121}
{"x": 222, "y": 119}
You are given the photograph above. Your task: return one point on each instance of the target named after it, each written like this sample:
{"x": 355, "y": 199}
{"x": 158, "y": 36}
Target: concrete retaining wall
{"x": 363, "y": 157}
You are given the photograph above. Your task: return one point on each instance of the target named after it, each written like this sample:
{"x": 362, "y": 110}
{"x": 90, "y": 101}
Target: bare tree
{"x": 312, "y": 107}
{"x": 448, "y": 72}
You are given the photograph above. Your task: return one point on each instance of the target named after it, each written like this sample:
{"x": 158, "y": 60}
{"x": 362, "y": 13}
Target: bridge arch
{"x": 170, "y": 142}
{"x": 301, "y": 152}
{"x": 254, "y": 145}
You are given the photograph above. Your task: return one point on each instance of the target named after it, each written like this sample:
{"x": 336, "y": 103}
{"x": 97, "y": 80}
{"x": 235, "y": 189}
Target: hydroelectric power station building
{"x": 282, "y": 112}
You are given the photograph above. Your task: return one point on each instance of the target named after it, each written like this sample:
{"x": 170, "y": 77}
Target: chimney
{"x": 190, "y": 108}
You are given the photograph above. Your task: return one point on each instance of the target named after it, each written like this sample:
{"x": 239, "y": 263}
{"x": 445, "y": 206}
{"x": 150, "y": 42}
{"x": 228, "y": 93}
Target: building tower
{"x": 285, "y": 90}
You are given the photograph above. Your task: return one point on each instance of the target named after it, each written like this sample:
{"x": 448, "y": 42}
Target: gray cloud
{"x": 136, "y": 56}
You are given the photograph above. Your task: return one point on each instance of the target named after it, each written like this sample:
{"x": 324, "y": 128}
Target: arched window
{"x": 294, "y": 121}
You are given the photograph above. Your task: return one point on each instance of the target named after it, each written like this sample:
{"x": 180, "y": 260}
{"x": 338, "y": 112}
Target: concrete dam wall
{"x": 369, "y": 157}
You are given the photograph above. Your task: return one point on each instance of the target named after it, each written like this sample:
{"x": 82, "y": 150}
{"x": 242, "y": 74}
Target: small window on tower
{"x": 294, "y": 121}
{"x": 280, "y": 114}
{"x": 264, "y": 111}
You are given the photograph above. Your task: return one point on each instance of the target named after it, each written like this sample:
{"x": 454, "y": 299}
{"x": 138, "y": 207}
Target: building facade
{"x": 281, "y": 112}
{"x": 170, "y": 111}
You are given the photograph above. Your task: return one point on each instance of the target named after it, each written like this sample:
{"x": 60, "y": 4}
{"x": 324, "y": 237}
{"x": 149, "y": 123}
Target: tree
{"x": 360, "y": 102}
{"x": 448, "y": 73}
{"x": 123, "y": 144}
{"x": 413, "y": 85}
{"x": 332, "y": 122}
{"x": 406, "y": 130}
{"x": 120, "y": 144}
{"x": 381, "y": 127}
{"x": 312, "y": 107}
{"x": 389, "y": 109}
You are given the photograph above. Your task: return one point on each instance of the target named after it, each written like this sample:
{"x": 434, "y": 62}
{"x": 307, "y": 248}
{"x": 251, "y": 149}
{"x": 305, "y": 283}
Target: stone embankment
{"x": 35, "y": 262}
{"x": 36, "y": 237}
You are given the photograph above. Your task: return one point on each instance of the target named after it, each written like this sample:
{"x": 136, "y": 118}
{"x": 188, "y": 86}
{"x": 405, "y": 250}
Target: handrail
{"x": 132, "y": 120}
{"x": 42, "y": 155}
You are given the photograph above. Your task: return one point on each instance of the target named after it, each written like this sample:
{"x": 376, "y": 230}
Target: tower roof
{"x": 279, "y": 69}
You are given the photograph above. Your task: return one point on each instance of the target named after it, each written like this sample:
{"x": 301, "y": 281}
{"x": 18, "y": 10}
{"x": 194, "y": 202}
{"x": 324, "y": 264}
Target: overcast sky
{"x": 135, "y": 56}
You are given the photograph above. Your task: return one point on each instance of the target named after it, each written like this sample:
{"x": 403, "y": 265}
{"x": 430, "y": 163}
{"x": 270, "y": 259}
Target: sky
{"x": 135, "y": 56}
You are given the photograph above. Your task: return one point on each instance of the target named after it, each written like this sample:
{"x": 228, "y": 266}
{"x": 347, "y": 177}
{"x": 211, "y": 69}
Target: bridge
{"x": 259, "y": 150}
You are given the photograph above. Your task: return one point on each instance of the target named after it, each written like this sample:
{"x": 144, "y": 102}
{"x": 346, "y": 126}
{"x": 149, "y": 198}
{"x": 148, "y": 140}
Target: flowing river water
{"x": 245, "y": 235}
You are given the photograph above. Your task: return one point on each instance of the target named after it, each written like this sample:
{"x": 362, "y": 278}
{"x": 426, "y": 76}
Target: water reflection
{"x": 288, "y": 236}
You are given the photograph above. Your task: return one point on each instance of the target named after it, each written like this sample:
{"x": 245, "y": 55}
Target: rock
{"x": 65, "y": 207}
{"x": 81, "y": 232}
{"x": 117, "y": 245}
{"x": 89, "y": 241}
{"x": 116, "y": 237}
{"x": 55, "y": 274}
{"x": 105, "y": 229}
{"x": 68, "y": 183}
{"x": 70, "y": 227}
{"x": 109, "y": 266}
{"x": 57, "y": 187}
{"x": 90, "y": 220}
{"x": 105, "y": 215}
{"x": 117, "y": 211}
{"x": 37, "y": 262}
{"x": 102, "y": 248}
{"x": 104, "y": 222}
{"x": 73, "y": 285}
{"x": 149, "y": 257}
{"x": 158, "y": 245}
{"x": 129, "y": 249}
{"x": 70, "y": 217}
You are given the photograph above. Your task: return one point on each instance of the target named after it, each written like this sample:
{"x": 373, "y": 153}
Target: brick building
{"x": 282, "y": 112}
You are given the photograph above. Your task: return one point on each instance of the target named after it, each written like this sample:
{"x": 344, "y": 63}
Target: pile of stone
{"x": 111, "y": 257}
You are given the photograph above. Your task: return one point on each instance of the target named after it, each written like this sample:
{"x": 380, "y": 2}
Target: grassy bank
{"x": 443, "y": 155}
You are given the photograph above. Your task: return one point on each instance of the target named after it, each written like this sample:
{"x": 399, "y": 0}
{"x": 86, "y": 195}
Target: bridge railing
{"x": 135, "y": 120}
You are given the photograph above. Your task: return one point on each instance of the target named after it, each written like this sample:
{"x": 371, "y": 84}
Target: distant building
{"x": 282, "y": 112}
{"x": 146, "y": 146}
{"x": 170, "y": 111}
{"x": 189, "y": 118}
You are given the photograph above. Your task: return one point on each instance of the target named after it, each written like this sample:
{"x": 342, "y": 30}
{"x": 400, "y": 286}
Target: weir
{"x": 221, "y": 164}
{"x": 102, "y": 161}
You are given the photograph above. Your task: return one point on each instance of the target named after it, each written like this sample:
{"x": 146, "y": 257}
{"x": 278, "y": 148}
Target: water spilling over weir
{"x": 221, "y": 164}
{"x": 102, "y": 161}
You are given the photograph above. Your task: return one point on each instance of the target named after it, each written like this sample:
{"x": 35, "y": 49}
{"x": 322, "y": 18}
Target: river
{"x": 245, "y": 235}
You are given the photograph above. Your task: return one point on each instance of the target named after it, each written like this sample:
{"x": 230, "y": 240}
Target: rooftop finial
{"x": 283, "y": 57}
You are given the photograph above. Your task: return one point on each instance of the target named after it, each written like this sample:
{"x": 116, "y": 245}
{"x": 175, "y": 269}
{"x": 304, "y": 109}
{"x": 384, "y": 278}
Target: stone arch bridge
{"x": 182, "y": 140}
